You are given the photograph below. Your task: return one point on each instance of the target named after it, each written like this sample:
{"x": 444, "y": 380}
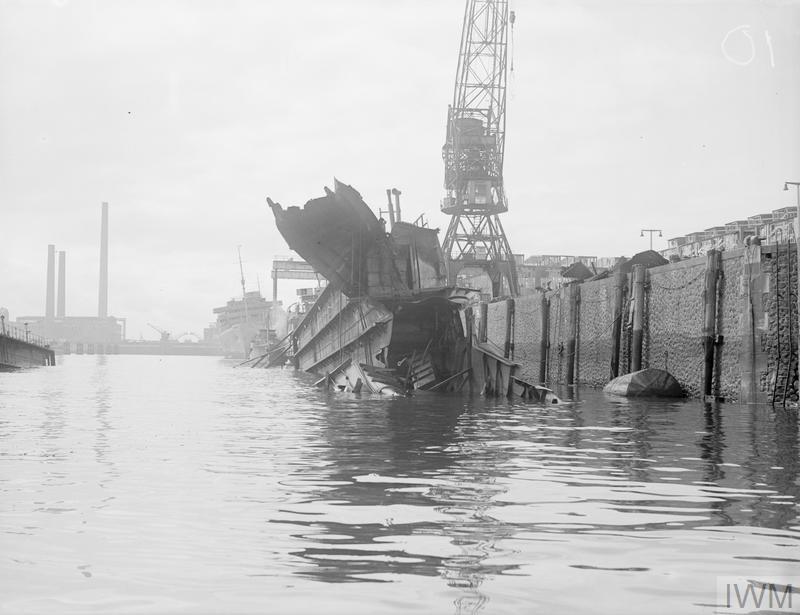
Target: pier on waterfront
{"x": 20, "y": 348}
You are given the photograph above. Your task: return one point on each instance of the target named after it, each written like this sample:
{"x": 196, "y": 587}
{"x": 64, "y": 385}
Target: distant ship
{"x": 243, "y": 323}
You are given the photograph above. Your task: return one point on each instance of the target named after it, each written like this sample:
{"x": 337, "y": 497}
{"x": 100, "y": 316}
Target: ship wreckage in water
{"x": 387, "y": 322}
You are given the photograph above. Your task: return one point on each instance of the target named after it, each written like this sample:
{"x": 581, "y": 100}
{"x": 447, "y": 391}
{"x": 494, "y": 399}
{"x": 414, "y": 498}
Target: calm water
{"x": 181, "y": 485}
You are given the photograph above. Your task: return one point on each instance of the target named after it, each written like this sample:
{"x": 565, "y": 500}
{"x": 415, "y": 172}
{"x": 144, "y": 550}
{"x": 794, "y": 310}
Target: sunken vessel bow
{"x": 387, "y": 322}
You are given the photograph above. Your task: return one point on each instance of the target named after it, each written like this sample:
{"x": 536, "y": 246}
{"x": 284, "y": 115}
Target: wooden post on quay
{"x": 620, "y": 278}
{"x": 639, "y": 272}
{"x": 469, "y": 317}
{"x": 545, "y": 343}
{"x": 574, "y": 316}
{"x": 748, "y": 389}
{"x": 710, "y": 318}
{"x": 509, "y": 349}
{"x": 483, "y": 330}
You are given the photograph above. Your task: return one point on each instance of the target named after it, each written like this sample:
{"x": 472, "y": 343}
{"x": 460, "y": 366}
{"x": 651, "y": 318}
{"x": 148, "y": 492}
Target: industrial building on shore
{"x": 775, "y": 227}
{"x": 99, "y": 333}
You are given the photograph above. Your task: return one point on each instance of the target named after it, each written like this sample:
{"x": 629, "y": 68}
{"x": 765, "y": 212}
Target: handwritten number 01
{"x": 744, "y": 30}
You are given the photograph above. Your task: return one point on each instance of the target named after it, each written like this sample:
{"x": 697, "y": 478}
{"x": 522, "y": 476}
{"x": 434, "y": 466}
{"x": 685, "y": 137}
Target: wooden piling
{"x": 509, "y": 346}
{"x": 620, "y": 280}
{"x": 749, "y": 380}
{"x": 469, "y": 317}
{"x": 572, "y": 331}
{"x": 639, "y": 272}
{"x": 710, "y": 318}
{"x": 545, "y": 341}
{"x": 483, "y": 331}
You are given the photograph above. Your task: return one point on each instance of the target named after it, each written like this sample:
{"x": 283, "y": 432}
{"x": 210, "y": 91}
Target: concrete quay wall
{"x": 724, "y": 325}
{"x": 673, "y": 338}
{"x": 16, "y": 353}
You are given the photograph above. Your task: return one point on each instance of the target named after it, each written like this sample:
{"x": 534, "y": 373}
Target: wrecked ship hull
{"x": 389, "y": 347}
{"x": 337, "y": 336}
{"x": 387, "y": 322}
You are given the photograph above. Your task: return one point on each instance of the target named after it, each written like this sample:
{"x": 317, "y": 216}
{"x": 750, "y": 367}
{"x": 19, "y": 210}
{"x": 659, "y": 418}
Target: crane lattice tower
{"x": 473, "y": 149}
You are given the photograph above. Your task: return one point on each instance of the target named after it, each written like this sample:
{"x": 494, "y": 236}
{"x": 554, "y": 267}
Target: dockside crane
{"x": 474, "y": 148}
{"x": 165, "y": 335}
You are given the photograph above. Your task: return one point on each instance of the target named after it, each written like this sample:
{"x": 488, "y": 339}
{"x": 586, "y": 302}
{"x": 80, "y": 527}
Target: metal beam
{"x": 289, "y": 269}
{"x": 293, "y": 270}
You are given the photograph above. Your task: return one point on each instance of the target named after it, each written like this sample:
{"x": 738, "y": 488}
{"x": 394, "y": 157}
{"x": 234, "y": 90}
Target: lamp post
{"x": 797, "y": 187}
{"x": 651, "y": 231}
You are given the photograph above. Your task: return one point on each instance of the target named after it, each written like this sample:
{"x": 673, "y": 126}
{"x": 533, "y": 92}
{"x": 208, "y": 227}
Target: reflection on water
{"x": 177, "y": 483}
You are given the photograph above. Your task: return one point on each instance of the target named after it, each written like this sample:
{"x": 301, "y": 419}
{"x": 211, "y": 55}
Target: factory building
{"x": 68, "y": 333}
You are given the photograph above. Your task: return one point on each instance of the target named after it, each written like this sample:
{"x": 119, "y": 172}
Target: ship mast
{"x": 244, "y": 294}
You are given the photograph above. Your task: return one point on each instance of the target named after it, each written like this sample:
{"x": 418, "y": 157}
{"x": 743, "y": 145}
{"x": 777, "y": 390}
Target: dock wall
{"x": 724, "y": 325}
{"x": 18, "y": 353}
{"x": 673, "y": 337}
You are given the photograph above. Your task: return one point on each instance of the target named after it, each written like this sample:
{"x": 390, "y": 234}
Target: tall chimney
{"x": 50, "y": 298}
{"x": 102, "y": 308}
{"x": 62, "y": 280}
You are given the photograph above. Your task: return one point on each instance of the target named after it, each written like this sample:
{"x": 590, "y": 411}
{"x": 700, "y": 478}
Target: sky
{"x": 185, "y": 115}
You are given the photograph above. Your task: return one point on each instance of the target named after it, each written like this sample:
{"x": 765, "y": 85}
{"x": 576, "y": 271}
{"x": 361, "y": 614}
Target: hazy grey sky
{"x": 184, "y": 116}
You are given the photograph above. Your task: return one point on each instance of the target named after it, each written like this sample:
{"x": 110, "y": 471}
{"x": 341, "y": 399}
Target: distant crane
{"x": 474, "y": 147}
{"x": 165, "y": 335}
{"x": 286, "y": 268}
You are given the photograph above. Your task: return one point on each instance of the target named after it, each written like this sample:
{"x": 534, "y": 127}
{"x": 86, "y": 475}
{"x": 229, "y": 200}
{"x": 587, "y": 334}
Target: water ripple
{"x": 179, "y": 484}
